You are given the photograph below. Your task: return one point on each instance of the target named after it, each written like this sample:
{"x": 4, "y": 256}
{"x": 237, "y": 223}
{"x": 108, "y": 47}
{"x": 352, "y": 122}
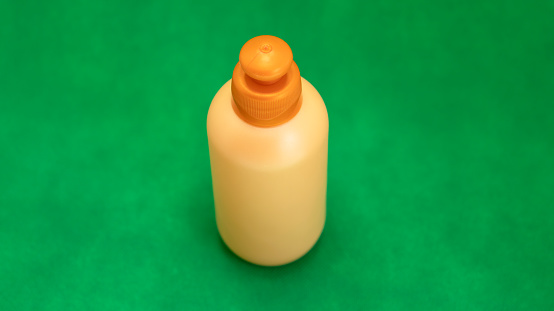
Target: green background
{"x": 441, "y": 174}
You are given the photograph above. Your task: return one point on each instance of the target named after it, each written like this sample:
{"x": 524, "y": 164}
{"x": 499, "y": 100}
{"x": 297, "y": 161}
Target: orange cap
{"x": 266, "y": 83}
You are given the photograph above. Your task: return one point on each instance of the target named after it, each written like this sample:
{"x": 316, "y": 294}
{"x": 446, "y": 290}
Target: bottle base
{"x": 274, "y": 260}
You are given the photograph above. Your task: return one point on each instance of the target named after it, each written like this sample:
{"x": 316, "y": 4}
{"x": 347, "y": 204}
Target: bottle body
{"x": 269, "y": 183}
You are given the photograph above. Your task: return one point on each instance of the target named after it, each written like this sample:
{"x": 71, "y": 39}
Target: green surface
{"x": 441, "y": 173}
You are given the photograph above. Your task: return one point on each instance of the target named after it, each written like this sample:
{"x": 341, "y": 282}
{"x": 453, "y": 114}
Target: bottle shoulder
{"x": 280, "y": 145}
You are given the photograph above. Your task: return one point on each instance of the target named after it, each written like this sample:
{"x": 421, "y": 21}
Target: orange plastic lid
{"x": 266, "y": 84}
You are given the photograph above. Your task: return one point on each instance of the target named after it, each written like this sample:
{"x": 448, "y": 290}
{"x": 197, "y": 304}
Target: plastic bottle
{"x": 268, "y": 137}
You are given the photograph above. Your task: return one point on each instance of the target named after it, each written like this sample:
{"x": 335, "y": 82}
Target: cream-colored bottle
{"x": 268, "y": 136}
